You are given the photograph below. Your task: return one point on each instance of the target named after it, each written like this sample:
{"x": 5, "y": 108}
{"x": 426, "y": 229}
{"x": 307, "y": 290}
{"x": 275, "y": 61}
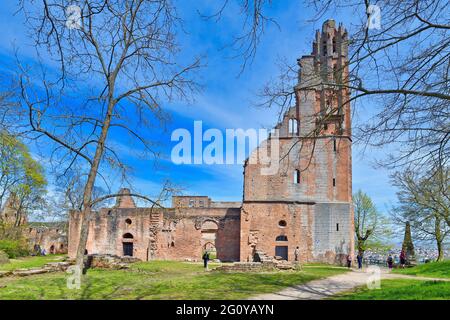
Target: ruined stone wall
{"x": 333, "y": 232}
{"x": 318, "y": 164}
{"x": 260, "y": 227}
{"x": 172, "y": 234}
{"x": 53, "y": 240}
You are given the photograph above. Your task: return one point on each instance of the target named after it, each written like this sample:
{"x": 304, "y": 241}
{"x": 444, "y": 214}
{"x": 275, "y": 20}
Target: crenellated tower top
{"x": 325, "y": 71}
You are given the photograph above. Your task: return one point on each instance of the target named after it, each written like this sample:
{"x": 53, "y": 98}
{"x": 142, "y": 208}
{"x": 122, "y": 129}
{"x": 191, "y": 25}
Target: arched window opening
{"x": 282, "y": 223}
{"x": 128, "y": 236}
{"x": 128, "y": 221}
{"x": 334, "y": 45}
{"x": 297, "y": 176}
{"x": 293, "y": 126}
{"x": 281, "y": 238}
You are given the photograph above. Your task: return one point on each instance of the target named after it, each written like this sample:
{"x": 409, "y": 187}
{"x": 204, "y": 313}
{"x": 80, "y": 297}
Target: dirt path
{"x": 325, "y": 288}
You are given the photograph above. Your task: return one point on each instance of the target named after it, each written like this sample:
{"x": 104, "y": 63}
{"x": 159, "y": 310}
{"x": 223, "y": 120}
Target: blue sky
{"x": 226, "y": 98}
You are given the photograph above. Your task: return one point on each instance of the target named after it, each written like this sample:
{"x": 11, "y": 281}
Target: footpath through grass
{"x": 30, "y": 262}
{"x": 160, "y": 280}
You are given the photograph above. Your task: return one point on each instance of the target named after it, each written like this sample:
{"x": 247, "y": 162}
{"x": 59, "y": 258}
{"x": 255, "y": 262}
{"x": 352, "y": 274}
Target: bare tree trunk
{"x": 439, "y": 239}
{"x": 87, "y": 197}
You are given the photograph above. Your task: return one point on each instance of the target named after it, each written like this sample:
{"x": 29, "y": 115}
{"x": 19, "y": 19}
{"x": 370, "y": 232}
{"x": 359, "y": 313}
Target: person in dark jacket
{"x": 390, "y": 262}
{"x": 402, "y": 259}
{"x": 349, "y": 261}
{"x": 360, "y": 260}
{"x": 205, "y": 260}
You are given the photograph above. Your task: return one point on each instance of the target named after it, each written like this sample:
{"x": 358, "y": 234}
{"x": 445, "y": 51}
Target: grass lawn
{"x": 160, "y": 280}
{"x": 402, "y": 289}
{"x": 30, "y": 262}
{"x": 432, "y": 269}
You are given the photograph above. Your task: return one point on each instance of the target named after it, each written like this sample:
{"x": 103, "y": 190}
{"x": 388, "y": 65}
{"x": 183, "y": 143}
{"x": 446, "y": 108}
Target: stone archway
{"x": 209, "y": 235}
{"x": 127, "y": 244}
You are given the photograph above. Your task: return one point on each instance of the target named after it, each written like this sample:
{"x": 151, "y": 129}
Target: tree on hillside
{"x": 22, "y": 179}
{"x": 116, "y": 63}
{"x": 424, "y": 203}
{"x": 371, "y": 227}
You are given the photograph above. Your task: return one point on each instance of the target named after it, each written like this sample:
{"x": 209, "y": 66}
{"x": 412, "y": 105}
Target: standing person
{"x": 402, "y": 259}
{"x": 390, "y": 262}
{"x": 360, "y": 260}
{"x": 296, "y": 253}
{"x": 349, "y": 261}
{"x": 205, "y": 260}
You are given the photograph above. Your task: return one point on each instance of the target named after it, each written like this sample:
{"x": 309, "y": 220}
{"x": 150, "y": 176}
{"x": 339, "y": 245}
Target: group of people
{"x": 389, "y": 261}
{"x": 402, "y": 257}
{"x": 38, "y": 251}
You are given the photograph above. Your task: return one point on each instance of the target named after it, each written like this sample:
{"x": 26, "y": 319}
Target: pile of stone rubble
{"x": 49, "y": 267}
{"x": 265, "y": 266}
{"x": 107, "y": 261}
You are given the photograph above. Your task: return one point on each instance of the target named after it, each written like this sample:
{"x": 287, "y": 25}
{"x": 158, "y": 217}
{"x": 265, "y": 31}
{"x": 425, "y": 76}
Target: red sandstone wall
{"x": 179, "y": 233}
{"x": 47, "y": 238}
{"x": 260, "y": 226}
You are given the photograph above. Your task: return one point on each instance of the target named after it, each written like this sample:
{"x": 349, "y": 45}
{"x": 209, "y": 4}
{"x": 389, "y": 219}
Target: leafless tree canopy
{"x": 124, "y": 55}
{"x": 424, "y": 201}
{"x": 105, "y": 66}
{"x": 399, "y": 74}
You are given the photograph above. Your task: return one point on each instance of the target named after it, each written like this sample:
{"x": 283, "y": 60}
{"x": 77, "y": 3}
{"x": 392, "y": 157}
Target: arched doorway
{"x": 127, "y": 244}
{"x": 211, "y": 249}
{"x": 52, "y": 249}
{"x": 281, "y": 248}
{"x": 209, "y": 235}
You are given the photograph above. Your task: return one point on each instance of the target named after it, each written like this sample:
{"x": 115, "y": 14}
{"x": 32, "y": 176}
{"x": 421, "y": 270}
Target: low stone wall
{"x": 258, "y": 266}
{"x": 106, "y": 261}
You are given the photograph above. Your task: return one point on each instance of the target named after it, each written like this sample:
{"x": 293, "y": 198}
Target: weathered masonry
{"x": 306, "y": 204}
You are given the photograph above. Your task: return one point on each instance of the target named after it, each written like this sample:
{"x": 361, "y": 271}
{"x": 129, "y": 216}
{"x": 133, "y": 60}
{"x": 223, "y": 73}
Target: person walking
{"x": 360, "y": 260}
{"x": 349, "y": 261}
{"x": 296, "y": 253}
{"x": 390, "y": 262}
{"x": 402, "y": 259}
{"x": 205, "y": 260}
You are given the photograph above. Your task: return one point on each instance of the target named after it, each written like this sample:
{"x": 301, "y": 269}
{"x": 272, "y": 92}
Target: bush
{"x": 14, "y": 248}
{"x": 3, "y": 257}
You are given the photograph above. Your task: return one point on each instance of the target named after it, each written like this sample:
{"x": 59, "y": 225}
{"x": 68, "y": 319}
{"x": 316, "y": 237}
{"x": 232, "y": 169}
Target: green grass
{"x": 401, "y": 289}
{"x": 160, "y": 280}
{"x": 432, "y": 269}
{"x": 29, "y": 262}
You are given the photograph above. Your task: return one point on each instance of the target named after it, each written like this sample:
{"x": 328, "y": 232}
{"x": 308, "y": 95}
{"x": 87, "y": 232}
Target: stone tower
{"x": 307, "y": 203}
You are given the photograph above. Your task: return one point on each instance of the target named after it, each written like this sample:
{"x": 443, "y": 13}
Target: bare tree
{"x": 112, "y": 64}
{"x": 425, "y": 205}
{"x": 400, "y": 71}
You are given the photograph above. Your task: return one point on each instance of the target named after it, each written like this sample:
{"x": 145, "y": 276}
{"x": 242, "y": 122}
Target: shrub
{"x": 14, "y": 248}
{"x": 3, "y": 257}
